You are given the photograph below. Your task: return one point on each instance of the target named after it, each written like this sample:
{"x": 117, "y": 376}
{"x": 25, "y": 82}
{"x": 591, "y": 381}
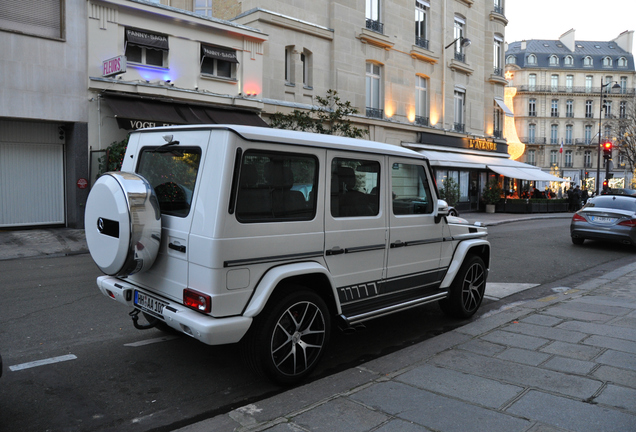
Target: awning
{"x": 500, "y": 165}
{"x": 219, "y": 53}
{"x": 135, "y": 113}
{"x": 146, "y": 39}
{"x": 525, "y": 173}
{"x": 504, "y": 107}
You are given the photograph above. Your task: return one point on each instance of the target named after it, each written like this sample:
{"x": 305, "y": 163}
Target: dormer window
{"x": 588, "y": 62}
{"x": 532, "y": 59}
{"x": 622, "y": 62}
{"x": 511, "y": 59}
{"x": 554, "y": 60}
{"x": 607, "y": 61}
{"x": 568, "y": 61}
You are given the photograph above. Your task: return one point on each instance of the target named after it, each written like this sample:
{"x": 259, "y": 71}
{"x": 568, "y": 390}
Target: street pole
{"x": 600, "y": 118}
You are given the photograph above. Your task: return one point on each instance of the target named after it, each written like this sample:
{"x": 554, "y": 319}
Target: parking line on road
{"x": 151, "y": 341}
{"x": 42, "y": 362}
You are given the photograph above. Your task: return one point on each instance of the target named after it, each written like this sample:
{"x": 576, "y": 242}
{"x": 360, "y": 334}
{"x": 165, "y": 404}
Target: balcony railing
{"x": 499, "y": 10}
{"x": 460, "y": 56}
{"x": 569, "y": 114}
{"x": 375, "y": 112}
{"x": 532, "y": 113}
{"x": 497, "y": 133}
{"x": 498, "y": 71}
{"x": 421, "y": 42}
{"x": 554, "y": 114}
{"x": 568, "y": 165}
{"x": 589, "y": 115}
{"x": 458, "y": 127}
{"x": 421, "y": 121}
{"x": 568, "y": 89}
{"x": 375, "y": 26}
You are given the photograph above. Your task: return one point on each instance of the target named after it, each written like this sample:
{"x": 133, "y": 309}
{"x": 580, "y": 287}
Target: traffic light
{"x": 607, "y": 149}
{"x": 605, "y": 185}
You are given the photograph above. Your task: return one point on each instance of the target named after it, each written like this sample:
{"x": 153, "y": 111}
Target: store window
{"x": 218, "y": 62}
{"x": 146, "y": 48}
{"x": 459, "y": 178}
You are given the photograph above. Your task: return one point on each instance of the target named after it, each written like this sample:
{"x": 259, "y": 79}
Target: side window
{"x": 275, "y": 187}
{"x": 173, "y": 175}
{"x": 411, "y": 191}
{"x": 355, "y": 187}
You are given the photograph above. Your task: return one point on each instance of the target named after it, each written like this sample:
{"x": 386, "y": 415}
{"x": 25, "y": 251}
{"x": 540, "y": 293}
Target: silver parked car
{"x": 606, "y": 217}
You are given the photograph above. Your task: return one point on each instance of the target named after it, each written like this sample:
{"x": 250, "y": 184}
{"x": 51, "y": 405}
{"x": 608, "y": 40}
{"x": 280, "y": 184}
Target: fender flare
{"x": 274, "y": 276}
{"x": 460, "y": 255}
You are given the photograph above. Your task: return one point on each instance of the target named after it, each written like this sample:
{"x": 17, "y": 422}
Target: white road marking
{"x": 497, "y": 291}
{"x": 151, "y": 341}
{"x": 42, "y": 362}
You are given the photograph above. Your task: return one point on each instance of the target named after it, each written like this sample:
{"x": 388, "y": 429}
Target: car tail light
{"x": 578, "y": 218}
{"x": 630, "y": 223}
{"x": 198, "y": 301}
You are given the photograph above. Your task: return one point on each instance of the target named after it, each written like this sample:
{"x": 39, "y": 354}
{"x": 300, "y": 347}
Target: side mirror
{"x": 442, "y": 210}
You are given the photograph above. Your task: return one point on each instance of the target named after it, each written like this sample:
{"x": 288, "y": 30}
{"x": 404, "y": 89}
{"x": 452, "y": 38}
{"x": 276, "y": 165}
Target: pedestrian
{"x": 569, "y": 193}
{"x": 584, "y": 195}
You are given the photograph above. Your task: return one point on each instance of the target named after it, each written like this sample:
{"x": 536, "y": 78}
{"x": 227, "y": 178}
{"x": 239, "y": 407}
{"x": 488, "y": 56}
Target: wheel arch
{"x": 279, "y": 279}
{"x": 480, "y": 248}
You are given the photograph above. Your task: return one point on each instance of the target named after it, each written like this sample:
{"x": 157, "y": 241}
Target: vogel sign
{"x": 114, "y": 66}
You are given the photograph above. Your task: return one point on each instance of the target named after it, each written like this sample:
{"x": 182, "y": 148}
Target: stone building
{"x": 559, "y": 108}
{"x": 422, "y": 74}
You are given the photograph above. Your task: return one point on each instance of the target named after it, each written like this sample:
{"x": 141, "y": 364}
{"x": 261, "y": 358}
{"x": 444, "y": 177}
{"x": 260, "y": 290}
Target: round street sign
{"x": 82, "y": 183}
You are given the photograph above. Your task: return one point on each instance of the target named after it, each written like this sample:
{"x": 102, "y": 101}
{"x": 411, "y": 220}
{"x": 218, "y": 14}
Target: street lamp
{"x": 600, "y": 136}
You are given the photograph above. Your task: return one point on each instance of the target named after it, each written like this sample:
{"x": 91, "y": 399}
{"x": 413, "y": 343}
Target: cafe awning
{"x": 137, "y": 112}
{"x": 146, "y": 39}
{"x": 499, "y": 164}
{"x": 219, "y": 53}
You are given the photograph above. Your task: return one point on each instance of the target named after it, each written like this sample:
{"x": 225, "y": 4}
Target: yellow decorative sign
{"x": 479, "y": 144}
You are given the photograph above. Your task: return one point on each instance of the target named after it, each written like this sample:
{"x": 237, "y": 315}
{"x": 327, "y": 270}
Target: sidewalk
{"x": 566, "y": 362}
{"x": 66, "y": 241}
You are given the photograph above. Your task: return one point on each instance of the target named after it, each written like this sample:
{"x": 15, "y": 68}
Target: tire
{"x": 122, "y": 224}
{"x": 578, "y": 240}
{"x": 467, "y": 290}
{"x": 288, "y": 338}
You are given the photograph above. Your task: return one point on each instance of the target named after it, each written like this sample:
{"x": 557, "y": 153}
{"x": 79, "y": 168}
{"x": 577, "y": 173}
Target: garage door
{"x": 31, "y": 174}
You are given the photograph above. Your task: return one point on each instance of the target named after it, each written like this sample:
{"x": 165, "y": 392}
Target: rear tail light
{"x": 578, "y": 218}
{"x": 630, "y": 223}
{"x": 198, "y": 301}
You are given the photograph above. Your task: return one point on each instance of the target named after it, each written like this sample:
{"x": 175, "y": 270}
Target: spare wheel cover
{"x": 122, "y": 224}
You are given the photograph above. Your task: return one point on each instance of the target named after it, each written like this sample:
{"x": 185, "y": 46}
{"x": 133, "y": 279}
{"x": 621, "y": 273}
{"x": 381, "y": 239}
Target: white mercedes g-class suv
{"x": 270, "y": 237}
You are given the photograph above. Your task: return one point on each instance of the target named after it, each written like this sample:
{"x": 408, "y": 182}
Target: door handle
{"x": 335, "y": 251}
{"x": 397, "y": 244}
{"x": 178, "y": 248}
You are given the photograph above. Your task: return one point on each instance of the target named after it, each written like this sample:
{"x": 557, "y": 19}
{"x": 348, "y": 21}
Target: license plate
{"x": 149, "y": 304}
{"x": 603, "y": 219}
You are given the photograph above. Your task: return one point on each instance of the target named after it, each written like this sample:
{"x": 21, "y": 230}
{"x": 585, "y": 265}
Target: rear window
{"x": 613, "y": 202}
{"x": 172, "y": 173}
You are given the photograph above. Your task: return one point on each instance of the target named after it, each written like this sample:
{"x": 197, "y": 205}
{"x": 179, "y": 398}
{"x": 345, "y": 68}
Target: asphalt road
{"x": 111, "y": 377}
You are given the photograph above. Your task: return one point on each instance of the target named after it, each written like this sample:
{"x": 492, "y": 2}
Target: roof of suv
{"x": 254, "y": 133}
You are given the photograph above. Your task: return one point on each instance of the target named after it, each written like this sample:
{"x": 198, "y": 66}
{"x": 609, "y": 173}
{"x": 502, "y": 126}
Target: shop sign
{"x": 479, "y": 144}
{"x": 133, "y": 124}
{"x": 114, "y": 66}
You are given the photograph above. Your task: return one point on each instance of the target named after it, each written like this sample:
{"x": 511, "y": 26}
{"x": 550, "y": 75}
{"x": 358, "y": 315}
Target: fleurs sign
{"x": 479, "y": 144}
{"x": 114, "y": 66}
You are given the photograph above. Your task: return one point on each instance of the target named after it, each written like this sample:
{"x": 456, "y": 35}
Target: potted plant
{"x": 491, "y": 195}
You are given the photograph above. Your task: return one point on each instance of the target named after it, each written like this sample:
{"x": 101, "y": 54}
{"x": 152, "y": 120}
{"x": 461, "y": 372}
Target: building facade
{"x": 43, "y": 113}
{"x": 423, "y": 74}
{"x": 561, "y": 114}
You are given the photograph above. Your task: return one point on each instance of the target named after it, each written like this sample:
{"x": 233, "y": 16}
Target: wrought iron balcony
{"x": 375, "y": 26}
{"x": 498, "y": 71}
{"x": 532, "y": 114}
{"x": 458, "y": 127}
{"x": 554, "y": 114}
{"x": 569, "y": 114}
{"x": 497, "y": 133}
{"x": 498, "y": 9}
{"x": 375, "y": 112}
{"x": 570, "y": 89}
{"x": 568, "y": 165}
{"x": 589, "y": 115}
{"x": 460, "y": 56}
{"x": 421, "y": 121}
{"x": 421, "y": 42}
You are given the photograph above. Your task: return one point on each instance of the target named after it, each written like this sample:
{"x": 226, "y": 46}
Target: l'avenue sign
{"x": 479, "y": 144}
{"x": 114, "y": 66}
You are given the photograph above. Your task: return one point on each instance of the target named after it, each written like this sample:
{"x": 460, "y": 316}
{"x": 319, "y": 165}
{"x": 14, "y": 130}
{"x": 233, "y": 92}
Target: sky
{"x": 593, "y": 20}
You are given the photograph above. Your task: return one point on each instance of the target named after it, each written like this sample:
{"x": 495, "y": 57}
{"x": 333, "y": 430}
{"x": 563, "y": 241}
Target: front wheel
{"x": 467, "y": 290}
{"x": 288, "y": 338}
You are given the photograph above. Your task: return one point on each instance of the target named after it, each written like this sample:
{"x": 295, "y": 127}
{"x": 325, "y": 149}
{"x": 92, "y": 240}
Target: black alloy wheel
{"x": 467, "y": 290}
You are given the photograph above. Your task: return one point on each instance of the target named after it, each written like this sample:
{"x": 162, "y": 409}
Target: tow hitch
{"x": 152, "y": 321}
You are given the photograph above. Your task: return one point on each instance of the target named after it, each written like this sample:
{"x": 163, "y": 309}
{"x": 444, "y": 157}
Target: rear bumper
{"x": 207, "y": 329}
{"x": 593, "y": 233}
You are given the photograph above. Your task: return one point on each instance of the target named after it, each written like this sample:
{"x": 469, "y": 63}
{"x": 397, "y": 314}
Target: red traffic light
{"x": 607, "y": 149}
